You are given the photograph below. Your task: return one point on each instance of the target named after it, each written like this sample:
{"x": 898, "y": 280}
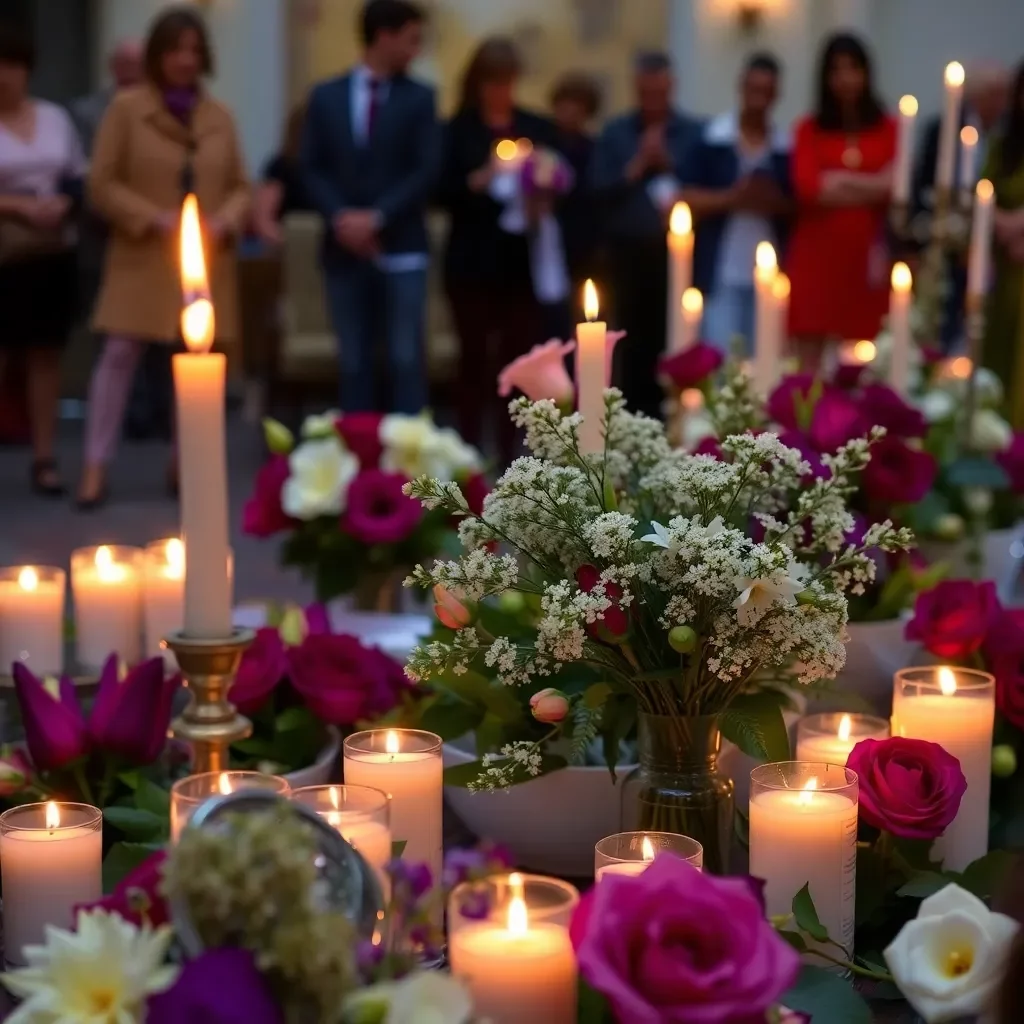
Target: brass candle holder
{"x": 210, "y": 722}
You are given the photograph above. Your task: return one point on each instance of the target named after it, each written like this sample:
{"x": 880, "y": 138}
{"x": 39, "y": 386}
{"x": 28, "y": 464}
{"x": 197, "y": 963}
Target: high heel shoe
{"x": 97, "y": 499}
{"x": 45, "y": 481}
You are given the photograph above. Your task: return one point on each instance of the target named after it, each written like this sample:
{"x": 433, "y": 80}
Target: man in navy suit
{"x": 370, "y": 155}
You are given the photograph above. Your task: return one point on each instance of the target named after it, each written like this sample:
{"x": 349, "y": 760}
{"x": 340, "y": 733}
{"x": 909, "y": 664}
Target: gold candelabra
{"x": 210, "y": 722}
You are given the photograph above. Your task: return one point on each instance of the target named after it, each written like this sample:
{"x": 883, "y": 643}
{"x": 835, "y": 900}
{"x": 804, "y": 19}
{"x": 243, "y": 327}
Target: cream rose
{"x": 321, "y": 471}
{"x": 990, "y": 432}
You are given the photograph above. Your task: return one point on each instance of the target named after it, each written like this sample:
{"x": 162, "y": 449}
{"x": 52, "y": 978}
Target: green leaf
{"x": 463, "y": 774}
{"x": 592, "y": 1008}
{"x": 398, "y": 848}
{"x": 985, "y": 876}
{"x": 293, "y": 718}
{"x": 871, "y": 888}
{"x": 123, "y": 859}
{"x": 755, "y": 724}
{"x": 130, "y": 778}
{"x": 923, "y": 884}
{"x": 741, "y": 826}
{"x": 806, "y": 915}
{"x": 619, "y": 722}
{"x": 449, "y": 717}
{"x": 153, "y": 798}
{"x": 475, "y": 688}
{"x": 972, "y": 471}
{"x": 915, "y": 853}
{"x": 827, "y": 997}
{"x": 136, "y": 823}
{"x": 596, "y": 695}
{"x": 490, "y": 734}
{"x": 795, "y": 939}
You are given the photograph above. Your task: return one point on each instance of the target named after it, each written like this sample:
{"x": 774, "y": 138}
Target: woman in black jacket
{"x": 487, "y": 269}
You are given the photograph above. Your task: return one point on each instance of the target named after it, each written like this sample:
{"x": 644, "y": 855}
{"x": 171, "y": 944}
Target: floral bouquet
{"x": 338, "y": 495}
{"x": 648, "y": 570}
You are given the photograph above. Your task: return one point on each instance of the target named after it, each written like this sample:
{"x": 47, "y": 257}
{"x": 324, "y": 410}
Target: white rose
{"x": 949, "y": 960}
{"x": 448, "y": 456}
{"x": 314, "y": 427}
{"x": 978, "y": 500}
{"x": 990, "y": 432}
{"x": 936, "y": 405}
{"x": 321, "y": 471}
{"x": 406, "y": 440}
{"x": 425, "y": 997}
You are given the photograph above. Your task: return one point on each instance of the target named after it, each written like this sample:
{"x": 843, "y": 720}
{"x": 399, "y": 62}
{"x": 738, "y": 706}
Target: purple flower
{"x": 378, "y": 511}
{"x": 709, "y": 446}
{"x": 784, "y": 403}
{"x": 690, "y": 367}
{"x": 318, "y": 620}
{"x": 55, "y": 729}
{"x": 836, "y": 419}
{"x": 221, "y": 986}
{"x": 130, "y": 716}
{"x": 137, "y": 897}
{"x": 898, "y": 474}
{"x": 414, "y": 880}
{"x": 676, "y": 944}
{"x": 884, "y": 407}
{"x": 802, "y": 443}
{"x": 848, "y": 376}
{"x": 1012, "y": 461}
{"x": 263, "y": 515}
{"x": 262, "y": 667}
{"x": 361, "y": 433}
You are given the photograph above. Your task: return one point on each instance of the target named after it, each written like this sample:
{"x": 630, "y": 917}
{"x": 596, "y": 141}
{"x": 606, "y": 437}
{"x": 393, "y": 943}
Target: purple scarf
{"x": 181, "y": 102}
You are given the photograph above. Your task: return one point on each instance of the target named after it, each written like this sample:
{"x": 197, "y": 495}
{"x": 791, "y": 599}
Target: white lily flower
{"x": 320, "y": 425}
{"x": 660, "y": 537}
{"x": 949, "y": 960}
{"x": 758, "y": 596}
{"x": 321, "y": 471}
{"x": 425, "y": 997}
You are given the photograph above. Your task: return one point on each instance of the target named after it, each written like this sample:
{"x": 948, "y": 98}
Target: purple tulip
{"x": 131, "y": 715}
{"x": 55, "y": 729}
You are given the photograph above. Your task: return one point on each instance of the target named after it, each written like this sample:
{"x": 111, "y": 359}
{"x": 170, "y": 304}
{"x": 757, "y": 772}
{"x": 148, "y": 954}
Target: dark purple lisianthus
{"x": 802, "y": 443}
{"x": 837, "y": 418}
{"x": 476, "y": 488}
{"x": 263, "y": 515}
{"x": 783, "y": 402}
{"x": 848, "y": 376}
{"x": 378, "y": 511}
{"x": 897, "y": 473}
{"x": 361, "y": 433}
{"x": 262, "y": 667}
{"x": 954, "y": 618}
{"x": 709, "y": 446}
{"x": 690, "y": 367}
{"x": 884, "y": 407}
{"x": 1012, "y": 461}
{"x": 1004, "y": 656}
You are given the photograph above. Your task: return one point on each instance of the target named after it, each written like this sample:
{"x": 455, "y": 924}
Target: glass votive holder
{"x": 51, "y": 860}
{"x": 360, "y": 814}
{"x": 803, "y": 831}
{"x": 32, "y": 618}
{"x": 190, "y": 793}
{"x": 630, "y": 853}
{"x": 831, "y": 737}
{"x": 509, "y": 944}
{"x": 106, "y": 584}
{"x": 163, "y": 598}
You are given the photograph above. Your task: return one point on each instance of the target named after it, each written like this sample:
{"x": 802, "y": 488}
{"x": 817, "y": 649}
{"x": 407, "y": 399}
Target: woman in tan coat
{"x": 156, "y": 143}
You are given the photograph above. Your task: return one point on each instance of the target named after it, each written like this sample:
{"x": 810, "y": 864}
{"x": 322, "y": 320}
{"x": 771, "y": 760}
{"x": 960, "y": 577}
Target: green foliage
{"x": 806, "y": 915}
{"x": 755, "y": 724}
{"x": 123, "y": 859}
{"x": 827, "y": 997}
{"x": 286, "y": 736}
{"x": 462, "y": 775}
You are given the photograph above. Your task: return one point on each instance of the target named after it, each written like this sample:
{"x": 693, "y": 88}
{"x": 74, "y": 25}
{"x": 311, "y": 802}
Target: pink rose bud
{"x": 549, "y": 705}
{"x": 450, "y": 611}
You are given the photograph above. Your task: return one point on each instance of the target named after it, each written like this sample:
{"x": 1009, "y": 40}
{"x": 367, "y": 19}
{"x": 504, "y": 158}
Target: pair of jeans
{"x": 729, "y": 315}
{"x": 369, "y": 307}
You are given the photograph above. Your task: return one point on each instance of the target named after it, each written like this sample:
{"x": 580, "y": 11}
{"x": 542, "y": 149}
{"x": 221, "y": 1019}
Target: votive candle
{"x": 631, "y": 853}
{"x": 32, "y": 618}
{"x": 830, "y": 738}
{"x": 163, "y": 593}
{"x": 190, "y": 793}
{"x": 106, "y": 583}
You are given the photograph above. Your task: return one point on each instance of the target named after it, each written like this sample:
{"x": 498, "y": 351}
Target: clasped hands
{"x": 357, "y": 231}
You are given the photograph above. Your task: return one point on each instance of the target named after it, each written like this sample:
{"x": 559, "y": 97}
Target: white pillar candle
{"x": 106, "y": 583}
{"x": 968, "y": 176}
{"x": 631, "y": 853}
{"x": 163, "y": 594}
{"x": 766, "y": 321}
{"x": 51, "y": 858}
{"x": 680, "y": 274}
{"x": 32, "y": 619}
{"x": 803, "y": 830}
{"x": 517, "y": 970}
{"x": 591, "y": 372}
{"x": 829, "y": 738}
{"x": 904, "y": 163}
{"x": 199, "y": 378}
{"x": 899, "y": 327}
{"x": 955, "y": 708}
{"x": 406, "y": 764}
{"x": 692, "y": 309}
{"x": 949, "y": 130}
{"x": 980, "y": 256}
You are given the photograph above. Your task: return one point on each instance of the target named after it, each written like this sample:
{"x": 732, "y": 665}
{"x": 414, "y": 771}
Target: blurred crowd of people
{"x": 89, "y": 203}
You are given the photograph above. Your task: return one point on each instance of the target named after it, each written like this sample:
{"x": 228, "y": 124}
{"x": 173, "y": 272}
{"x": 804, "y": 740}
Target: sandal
{"x": 45, "y": 481}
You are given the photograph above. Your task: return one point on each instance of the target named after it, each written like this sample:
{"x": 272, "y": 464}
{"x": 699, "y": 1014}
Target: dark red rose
{"x": 262, "y": 667}
{"x": 476, "y": 488}
{"x": 785, "y": 400}
{"x": 1012, "y": 461}
{"x": 802, "y": 443}
{"x": 884, "y": 407}
{"x": 690, "y": 367}
{"x": 361, "y": 433}
{"x": 837, "y": 418}
{"x": 709, "y": 446}
{"x": 1004, "y": 656}
{"x": 615, "y": 622}
{"x": 263, "y": 515}
{"x": 898, "y": 474}
{"x": 953, "y": 619}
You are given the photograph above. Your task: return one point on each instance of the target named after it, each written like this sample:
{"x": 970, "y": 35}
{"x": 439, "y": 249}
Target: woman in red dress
{"x": 841, "y": 168}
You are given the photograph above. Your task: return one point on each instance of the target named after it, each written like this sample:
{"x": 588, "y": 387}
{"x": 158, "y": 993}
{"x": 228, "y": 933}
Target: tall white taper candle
{"x": 949, "y": 131}
{"x": 899, "y": 327}
{"x": 904, "y": 150}
{"x": 680, "y": 273}
{"x": 591, "y": 372}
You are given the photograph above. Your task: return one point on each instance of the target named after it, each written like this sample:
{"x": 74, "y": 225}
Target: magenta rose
{"x": 361, "y": 433}
{"x": 262, "y": 667}
{"x": 263, "y": 515}
{"x": 953, "y": 619}
{"x": 786, "y": 401}
{"x": 898, "y": 474}
{"x": 1012, "y": 461}
{"x": 837, "y": 418}
{"x": 709, "y": 446}
{"x": 911, "y": 788}
{"x": 378, "y": 511}
{"x": 342, "y": 681}
{"x": 1004, "y": 657}
{"x": 137, "y": 897}
{"x": 801, "y": 442}
{"x": 884, "y": 407}
{"x": 475, "y": 490}
{"x": 675, "y": 944}
{"x": 690, "y": 367}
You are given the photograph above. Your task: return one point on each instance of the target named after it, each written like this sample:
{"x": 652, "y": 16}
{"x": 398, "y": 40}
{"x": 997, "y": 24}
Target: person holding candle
{"x": 842, "y": 169}
{"x": 737, "y": 184}
{"x": 157, "y": 142}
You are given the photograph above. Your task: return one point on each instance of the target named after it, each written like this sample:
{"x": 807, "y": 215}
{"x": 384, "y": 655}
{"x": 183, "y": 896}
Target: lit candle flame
{"x": 518, "y": 923}
{"x": 175, "y": 555}
{"x": 902, "y": 279}
{"x": 961, "y": 367}
{"x": 647, "y": 849}
{"x": 506, "y": 149}
{"x": 985, "y": 190}
{"x": 947, "y": 682}
{"x": 767, "y": 263}
{"x": 224, "y": 784}
{"x": 391, "y": 745}
{"x": 28, "y": 578}
{"x": 591, "y": 309}
{"x": 197, "y": 318}
{"x": 680, "y": 222}
{"x": 807, "y": 793}
{"x": 524, "y": 147}
{"x": 781, "y": 287}
{"x": 865, "y": 351}
{"x": 845, "y": 728}
{"x": 52, "y": 815}
{"x": 104, "y": 558}
{"x": 969, "y": 135}
{"x": 335, "y": 798}
{"x": 107, "y": 569}
{"x": 908, "y": 106}
{"x": 693, "y": 301}
{"x": 955, "y": 74}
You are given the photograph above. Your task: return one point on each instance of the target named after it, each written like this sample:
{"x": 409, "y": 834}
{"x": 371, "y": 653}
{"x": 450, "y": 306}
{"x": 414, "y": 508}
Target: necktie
{"x": 374, "y": 85}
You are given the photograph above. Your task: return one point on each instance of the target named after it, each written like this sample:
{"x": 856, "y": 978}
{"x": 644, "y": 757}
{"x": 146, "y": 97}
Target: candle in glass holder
{"x": 107, "y": 590}
{"x": 631, "y": 853}
{"x": 190, "y": 793}
{"x": 803, "y": 831}
{"x": 830, "y": 738}
{"x": 591, "y": 372}
{"x": 51, "y": 858}
{"x": 954, "y": 707}
{"x": 32, "y": 618}
{"x": 406, "y": 764}
{"x": 164, "y": 594}
{"x": 518, "y": 963}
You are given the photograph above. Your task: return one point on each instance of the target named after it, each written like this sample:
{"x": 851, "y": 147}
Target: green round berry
{"x": 682, "y": 639}
{"x": 1004, "y": 761}
{"x": 807, "y": 597}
